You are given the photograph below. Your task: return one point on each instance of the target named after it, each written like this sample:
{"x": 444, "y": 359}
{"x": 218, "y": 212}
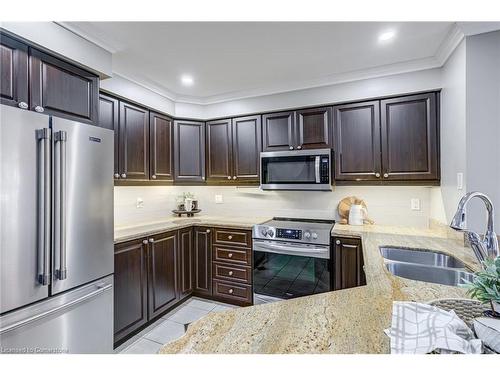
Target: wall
{"x": 453, "y": 117}
{"x": 386, "y": 205}
{"x": 64, "y": 43}
{"x": 483, "y": 124}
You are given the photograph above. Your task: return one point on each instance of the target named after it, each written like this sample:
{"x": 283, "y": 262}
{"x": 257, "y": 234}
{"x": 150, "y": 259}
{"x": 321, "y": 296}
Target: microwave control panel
{"x": 324, "y": 170}
{"x": 291, "y": 234}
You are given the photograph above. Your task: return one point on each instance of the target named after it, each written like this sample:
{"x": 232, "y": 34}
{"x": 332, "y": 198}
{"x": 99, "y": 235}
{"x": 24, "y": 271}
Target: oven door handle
{"x": 290, "y": 249}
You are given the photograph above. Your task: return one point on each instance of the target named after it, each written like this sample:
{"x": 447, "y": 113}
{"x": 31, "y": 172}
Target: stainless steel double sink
{"x": 425, "y": 265}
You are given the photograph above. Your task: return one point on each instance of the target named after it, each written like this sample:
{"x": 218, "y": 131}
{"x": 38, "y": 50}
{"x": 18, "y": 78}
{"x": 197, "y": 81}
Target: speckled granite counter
{"x": 149, "y": 229}
{"x": 345, "y": 321}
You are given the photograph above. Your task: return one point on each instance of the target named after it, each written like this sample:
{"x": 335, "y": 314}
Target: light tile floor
{"x": 170, "y": 326}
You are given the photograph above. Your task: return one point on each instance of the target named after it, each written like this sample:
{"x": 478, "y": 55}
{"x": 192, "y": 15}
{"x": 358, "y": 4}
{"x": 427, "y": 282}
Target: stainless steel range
{"x": 291, "y": 258}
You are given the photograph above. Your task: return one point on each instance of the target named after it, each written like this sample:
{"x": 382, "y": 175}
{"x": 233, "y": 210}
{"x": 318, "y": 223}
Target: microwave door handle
{"x": 316, "y": 168}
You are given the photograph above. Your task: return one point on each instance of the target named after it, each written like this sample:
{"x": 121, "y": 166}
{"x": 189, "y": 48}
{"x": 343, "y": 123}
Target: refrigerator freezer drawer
{"x": 79, "y": 321}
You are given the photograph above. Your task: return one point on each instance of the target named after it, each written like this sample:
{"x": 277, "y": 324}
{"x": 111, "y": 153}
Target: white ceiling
{"x": 233, "y": 60}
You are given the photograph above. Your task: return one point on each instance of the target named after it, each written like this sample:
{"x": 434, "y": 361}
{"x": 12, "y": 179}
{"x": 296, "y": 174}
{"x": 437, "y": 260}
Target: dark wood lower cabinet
{"x": 130, "y": 288}
{"x": 185, "y": 262}
{"x": 202, "y": 261}
{"x": 348, "y": 263}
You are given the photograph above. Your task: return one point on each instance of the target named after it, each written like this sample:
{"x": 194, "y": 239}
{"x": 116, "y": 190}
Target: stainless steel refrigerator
{"x": 56, "y": 235}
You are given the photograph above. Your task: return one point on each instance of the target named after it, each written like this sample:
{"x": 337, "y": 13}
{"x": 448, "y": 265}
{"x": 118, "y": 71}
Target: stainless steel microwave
{"x": 296, "y": 170}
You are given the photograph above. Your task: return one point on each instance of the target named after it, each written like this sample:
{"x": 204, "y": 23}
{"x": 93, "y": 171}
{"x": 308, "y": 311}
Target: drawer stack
{"x": 232, "y": 266}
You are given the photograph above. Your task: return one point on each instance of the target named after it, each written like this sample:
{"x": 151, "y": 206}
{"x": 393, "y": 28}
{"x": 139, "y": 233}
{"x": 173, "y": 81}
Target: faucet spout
{"x": 488, "y": 245}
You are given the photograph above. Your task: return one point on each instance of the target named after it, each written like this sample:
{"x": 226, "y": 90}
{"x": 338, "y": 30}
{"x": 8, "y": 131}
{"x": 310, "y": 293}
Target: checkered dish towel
{"x": 418, "y": 328}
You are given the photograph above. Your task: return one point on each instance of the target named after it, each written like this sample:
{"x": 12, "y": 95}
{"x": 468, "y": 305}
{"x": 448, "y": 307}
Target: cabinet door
{"x": 162, "y": 256}
{"x": 130, "y": 288}
{"x": 278, "y": 131}
{"x": 189, "y": 151}
{"x": 161, "y": 150}
{"x": 410, "y": 140}
{"x": 61, "y": 89}
{"x": 219, "y": 150}
{"x": 314, "y": 128}
{"x": 246, "y": 148}
{"x": 13, "y": 72}
{"x": 108, "y": 118}
{"x": 357, "y": 141}
{"x": 202, "y": 261}
{"x": 185, "y": 262}
{"x": 134, "y": 142}
{"x": 348, "y": 258}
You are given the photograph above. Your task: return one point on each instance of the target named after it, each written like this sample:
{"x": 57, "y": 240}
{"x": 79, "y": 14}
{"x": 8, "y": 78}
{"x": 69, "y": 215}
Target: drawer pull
{"x": 230, "y": 237}
{"x": 230, "y": 255}
{"x": 230, "y": 291}
{"x": 230, "y": 273}
{"x": 208, "y": 230}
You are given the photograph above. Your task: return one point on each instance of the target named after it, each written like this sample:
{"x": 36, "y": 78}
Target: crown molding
{"x": 452, "y": 40}
{"x": 86, "y": 36}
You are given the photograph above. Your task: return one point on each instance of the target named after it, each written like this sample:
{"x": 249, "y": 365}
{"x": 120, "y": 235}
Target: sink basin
{"x": 423, "y": 257}
{"x": 186, "y": 221}
{"x": 445, "y": 276}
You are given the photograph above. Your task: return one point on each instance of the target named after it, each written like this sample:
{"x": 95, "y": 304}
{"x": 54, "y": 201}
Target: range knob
{"x": 314, "y": 235}
{"x": 270, "y": 233}
{"x": 263, "y": 231}
{"x": 307, "y": 235}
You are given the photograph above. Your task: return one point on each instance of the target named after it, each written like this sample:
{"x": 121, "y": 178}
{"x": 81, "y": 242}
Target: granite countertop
{"x": 344, "y": 321}
{"x": 126, "y": 233}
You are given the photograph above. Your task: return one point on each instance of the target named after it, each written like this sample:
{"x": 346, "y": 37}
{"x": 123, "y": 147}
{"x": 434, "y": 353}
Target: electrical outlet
{"x": 460, "y": 181}
{"x": 139, "y": 203}
{"x": 218, "y": 198}
{"x": 415, "y": 204}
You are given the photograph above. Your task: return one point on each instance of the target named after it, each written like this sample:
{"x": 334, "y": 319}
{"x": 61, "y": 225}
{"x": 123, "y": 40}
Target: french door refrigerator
{"x": 56, "y": 235}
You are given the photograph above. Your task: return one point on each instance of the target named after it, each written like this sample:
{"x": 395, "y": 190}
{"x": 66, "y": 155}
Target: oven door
{"x": 296, "y": 170}
{"x": 285, "y": 270}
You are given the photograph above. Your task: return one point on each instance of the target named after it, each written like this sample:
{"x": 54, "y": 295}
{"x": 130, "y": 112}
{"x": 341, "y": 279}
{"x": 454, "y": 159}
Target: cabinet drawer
{"x": 235, "y": 292}
{"x": 239, "y": 256}
{"x": 233, "y": 237}
{"x": 232, "y": 273}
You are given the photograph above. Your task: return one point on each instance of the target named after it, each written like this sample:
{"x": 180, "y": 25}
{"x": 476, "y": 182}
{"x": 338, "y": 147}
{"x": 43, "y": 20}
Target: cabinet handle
{"x": 337, "y": 242}
{"x": 377, "y": 175}
{"x": 234, "y": 177}
{"x": 229, "y": 237}
{"x": 230, "y": 273}
{"x": 153, "y": 177}
{"x": 151, "y": 240}
{"x": 228, "y": 177}
{"x": 208, "y": 230}
{"x": 230, "y": 255}
{"x": 230, "y": 291}
{"x": 116, "y": 175}
{"x": 203, "y": 178}
{"x": 291, "y": 147}
{"x": 39, "y": 109}
{"x": 299, "y": 147}
{"x": 22, "y": 105}
{"x": 124, "y": 175}
{"x": 145, "y": 242}
{"x": 386, "y": 175}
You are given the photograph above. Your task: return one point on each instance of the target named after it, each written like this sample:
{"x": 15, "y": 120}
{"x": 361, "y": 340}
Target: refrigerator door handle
{"x": 100, "y": 289}
{"x": 43, "y": 137}
{"x": 60, "y": 202}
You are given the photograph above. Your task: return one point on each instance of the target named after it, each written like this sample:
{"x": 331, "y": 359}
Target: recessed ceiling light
{"x": 386, "y": 36}
{"x": 187, "y": 80}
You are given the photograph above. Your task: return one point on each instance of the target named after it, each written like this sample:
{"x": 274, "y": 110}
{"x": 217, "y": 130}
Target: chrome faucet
{"x": 483, "y": 247}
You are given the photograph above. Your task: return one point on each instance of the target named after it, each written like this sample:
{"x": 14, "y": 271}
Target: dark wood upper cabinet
{"x": 108, "y": 118}
{"x": 161, "y": 131}
{"x": 13, "y": 72}
{"x": 247, "y": 144}
{"x": 410, "y": 138}
{"x": 202, "y": 261}
{"x": 219, "y": 150}
{"x": 162, "y": 257}
{"x": 61, "y": 89}
{"x": 278, "y": 131}
{"x": 348, "y": 261}
{"x": 314, "y": 128}
{"x": 130, "y": 288}
{"x": 186, "y": 262}
{"x": 189, "y": 151}
{"x": 357, "y": 141}
{"x": 134, "y": 142}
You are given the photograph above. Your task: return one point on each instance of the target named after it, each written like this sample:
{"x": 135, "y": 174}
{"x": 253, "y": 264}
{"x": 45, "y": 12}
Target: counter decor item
{"x": 359, "y": 211}
{"x": 186, "y": 204}
{"x": 486, "y": 286}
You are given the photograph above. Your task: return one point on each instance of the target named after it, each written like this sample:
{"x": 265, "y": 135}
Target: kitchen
{"x": 164, "y": 203}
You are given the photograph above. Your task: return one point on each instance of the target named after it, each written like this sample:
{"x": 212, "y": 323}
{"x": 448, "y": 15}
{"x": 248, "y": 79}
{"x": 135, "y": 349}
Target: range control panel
{"x": 292, "y": 234}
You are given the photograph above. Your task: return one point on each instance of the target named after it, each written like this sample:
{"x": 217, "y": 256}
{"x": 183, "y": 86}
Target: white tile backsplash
{"x": 390, "y": 205}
